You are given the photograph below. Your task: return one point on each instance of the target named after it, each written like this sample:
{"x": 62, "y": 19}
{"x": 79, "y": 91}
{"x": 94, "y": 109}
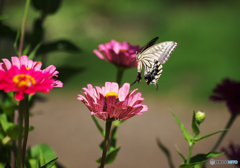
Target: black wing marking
{"x": 149, "y": 44}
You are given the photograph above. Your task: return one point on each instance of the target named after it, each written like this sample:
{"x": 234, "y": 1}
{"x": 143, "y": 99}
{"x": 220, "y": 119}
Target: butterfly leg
{"x": 139, "y": 78}
{"x": 156, "y": 86}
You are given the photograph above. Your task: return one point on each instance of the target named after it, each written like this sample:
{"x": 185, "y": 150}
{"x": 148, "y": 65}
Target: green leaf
{"x": 195, "y": 125}
{"x": 33, "y": 163}
{"x": 8, "y": 107}
{"x": 33, "y": 53}
{"x": 166, "y": 152}
{"x": 47, "y": 6}
{"x": 11, "y": 97}
{"x": 16, "y": 42}
{"x": 186, "y": 166}
{"x": 200, "y": 158}
{"x": 31, "y": 128}
{"x": 60, "y": 45}
{"x": 41, "y": 159}
{"x": 49, "y": 164}
{"x": 7, "y": 165}
{"x": 205, "y": 136}
{"x": 197, "y": 166}
{"x": 117, "y": 123}
{"x": 12, "y": 132}
{"x": 110, "y": 157}
{"x": 5, "y": 124}
{"x": 38, "y": 32}
{"x": 186, "y": 134}
{"x": 112, "y": 140}
{"x": 100, "y": 129}
{"x": 47, "y": 151}
{"x": 66, "y": 73}
{"x": 26, "y": 50}
{"x": 180, "y": 153}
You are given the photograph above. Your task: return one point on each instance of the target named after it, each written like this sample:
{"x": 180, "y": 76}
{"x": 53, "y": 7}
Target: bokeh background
{"x": 208, "y": 51}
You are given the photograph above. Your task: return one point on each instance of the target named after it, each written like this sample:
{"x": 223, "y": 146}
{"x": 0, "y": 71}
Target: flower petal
{"x": 123, "y": 91}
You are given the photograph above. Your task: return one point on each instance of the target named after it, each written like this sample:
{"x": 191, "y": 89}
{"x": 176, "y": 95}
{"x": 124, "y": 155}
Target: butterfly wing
{"x": 149, "y": 44}
{"x": 160, "y": 52}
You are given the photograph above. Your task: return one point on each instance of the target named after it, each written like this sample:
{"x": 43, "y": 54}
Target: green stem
{"x": 20, "y": 132}
{"x": 229, "y": 124}
{"x": 13, "y": 154}
{"x": 120, "y": 71}
{"x": 106, "y": 141}
{"x": 26, "y": 124}
{"x": 190, "y": 151}
{"x": 23, "y": 27}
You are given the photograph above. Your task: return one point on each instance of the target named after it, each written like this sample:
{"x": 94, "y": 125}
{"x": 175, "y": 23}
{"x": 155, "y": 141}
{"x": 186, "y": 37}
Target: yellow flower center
{"x": 112, "y": 94}
{"x": 23, "y": 80}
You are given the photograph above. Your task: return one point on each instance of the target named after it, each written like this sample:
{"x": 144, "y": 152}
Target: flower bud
{"x": 200, "y": 116}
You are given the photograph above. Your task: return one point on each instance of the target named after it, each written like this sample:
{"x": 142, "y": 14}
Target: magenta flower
{"x": 120, "y": 54}
{"x": 112, "y": 102}
{"x": 228, "y": 91}
{"x": 25, "y": 76}
{"x": 233, "y": 152}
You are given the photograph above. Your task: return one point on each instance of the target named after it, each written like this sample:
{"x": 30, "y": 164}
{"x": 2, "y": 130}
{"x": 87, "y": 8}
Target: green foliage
{"x": 113, "y": 150}
{"x": 7, "y": 165}
{"x": 166, "y": 152}
{"x": 46, "y": 6}
{"x": 100, "y": 129}
{"x": 195, "y": 161}
{"x": 41, "y": 156}
{"x": 195, "y": 125}
{"x": 110, "y": 157}
{"x": 60, "y": 45}
{"x": 186, "y": 134}
{"x": 205, "y": 136}
{"x": 198, "y": 159}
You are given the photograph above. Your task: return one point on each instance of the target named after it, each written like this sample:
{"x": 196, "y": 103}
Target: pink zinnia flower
{"x": 25, "y": 76}
{"x": 228, "y": 91}
{"x": 120, "y": 54}
{"x": 112, "y": 102}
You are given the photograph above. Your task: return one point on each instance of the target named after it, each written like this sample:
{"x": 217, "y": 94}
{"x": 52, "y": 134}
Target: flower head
{"x": 25, "y": 76}
{"x": 120, "y": 54}
{"x": 228, "y": 91}
{"x": 111, "y": 102}
{"x": 233, "y": 152}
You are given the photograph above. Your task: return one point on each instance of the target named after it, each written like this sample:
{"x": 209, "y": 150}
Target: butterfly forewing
{"x": 160, "y": 52}
{"x": 149, "y": 44}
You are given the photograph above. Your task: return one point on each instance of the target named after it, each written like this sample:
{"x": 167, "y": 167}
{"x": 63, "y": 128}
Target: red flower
{"x": 24, "y": 76}
{"x": 228, "y": 91}
{"x": 120, "y": 54}
{"x": 112, "y": 102}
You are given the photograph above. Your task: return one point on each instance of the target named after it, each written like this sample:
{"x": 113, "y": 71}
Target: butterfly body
{"x": 152, "y": 57}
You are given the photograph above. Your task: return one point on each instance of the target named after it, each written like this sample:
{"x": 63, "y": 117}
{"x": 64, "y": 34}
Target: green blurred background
{"x": 207, "y": 33}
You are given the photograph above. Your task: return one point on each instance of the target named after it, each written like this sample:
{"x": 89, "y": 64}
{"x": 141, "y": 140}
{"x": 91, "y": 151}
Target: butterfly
{"x": 152, "y": 57}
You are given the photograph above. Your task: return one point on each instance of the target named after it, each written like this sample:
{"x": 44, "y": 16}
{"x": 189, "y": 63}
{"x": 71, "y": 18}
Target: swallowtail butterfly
{"x": 152, "y": 57}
